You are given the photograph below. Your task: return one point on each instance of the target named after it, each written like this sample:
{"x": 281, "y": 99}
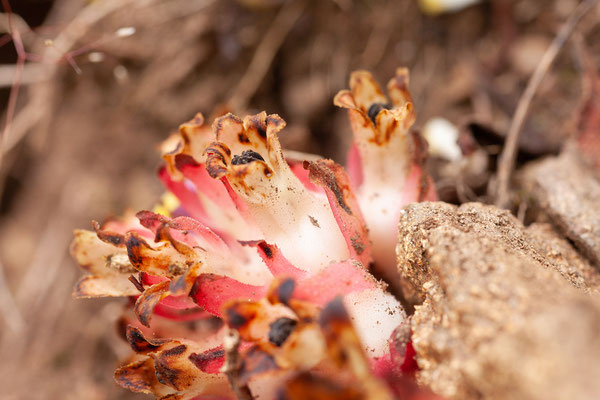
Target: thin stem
{"x": 506, "y": 162}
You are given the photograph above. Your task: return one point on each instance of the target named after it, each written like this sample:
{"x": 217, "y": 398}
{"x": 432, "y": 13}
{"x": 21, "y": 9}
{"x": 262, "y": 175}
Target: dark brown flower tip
{"x": 139, "y": 343}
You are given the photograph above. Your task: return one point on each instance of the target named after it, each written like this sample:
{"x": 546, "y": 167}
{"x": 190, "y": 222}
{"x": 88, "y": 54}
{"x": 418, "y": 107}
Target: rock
{"x": 567, "y": 191}
{"x": 505, "y": 313}
{"x": 563, "y": 257}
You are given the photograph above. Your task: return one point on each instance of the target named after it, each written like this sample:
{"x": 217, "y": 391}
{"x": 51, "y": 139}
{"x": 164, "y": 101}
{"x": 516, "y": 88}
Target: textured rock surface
{"x": 563, "y": 257}
{"x": 569, "y": 193}
{"x": 503, "y": 316}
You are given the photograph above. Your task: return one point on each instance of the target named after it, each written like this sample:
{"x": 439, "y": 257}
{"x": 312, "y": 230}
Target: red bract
{"x": 277, "y": 249}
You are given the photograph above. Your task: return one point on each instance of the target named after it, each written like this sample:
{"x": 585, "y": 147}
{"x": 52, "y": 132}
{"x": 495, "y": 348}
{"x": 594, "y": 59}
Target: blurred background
{"x": 105, "y": 81}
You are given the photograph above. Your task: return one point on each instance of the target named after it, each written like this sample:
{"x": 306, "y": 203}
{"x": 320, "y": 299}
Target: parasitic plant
{"x": 267, "y": 257}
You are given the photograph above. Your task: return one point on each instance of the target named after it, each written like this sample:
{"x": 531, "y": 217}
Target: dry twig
{"x": 506, "y": 161}
{"x": 20, "y": 64}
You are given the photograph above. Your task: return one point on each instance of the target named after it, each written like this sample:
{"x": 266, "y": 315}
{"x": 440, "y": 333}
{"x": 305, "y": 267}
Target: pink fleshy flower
{"x": 276, "y": 249}
{"x": 386, "y": 160}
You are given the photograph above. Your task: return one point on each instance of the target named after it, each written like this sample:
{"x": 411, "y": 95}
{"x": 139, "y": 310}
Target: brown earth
{"x": 507, "y": 312}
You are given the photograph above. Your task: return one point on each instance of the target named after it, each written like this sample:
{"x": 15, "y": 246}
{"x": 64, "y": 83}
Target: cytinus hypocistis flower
{"x": 266, "y": 258}
{"x": 386, "y": 160}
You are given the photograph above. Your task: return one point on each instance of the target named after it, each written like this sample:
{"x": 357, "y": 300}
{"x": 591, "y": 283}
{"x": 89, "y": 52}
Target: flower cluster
{"x": 269, "y": 257}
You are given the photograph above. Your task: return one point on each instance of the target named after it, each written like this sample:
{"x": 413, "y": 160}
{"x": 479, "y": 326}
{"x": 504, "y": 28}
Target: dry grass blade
{"x": 20, "y": 65}
{"x": 8, "y": 307}
{"x": 265, "y": 53}
{"x": 32, "y": 73}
